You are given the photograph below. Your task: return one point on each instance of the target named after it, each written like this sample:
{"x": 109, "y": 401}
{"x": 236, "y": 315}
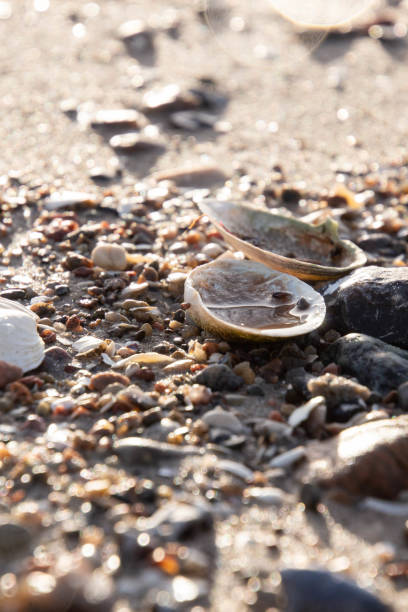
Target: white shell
{"x": 20, "y": 343}
{"x": 246, "y": 299}
{"x": 86, "y": 343}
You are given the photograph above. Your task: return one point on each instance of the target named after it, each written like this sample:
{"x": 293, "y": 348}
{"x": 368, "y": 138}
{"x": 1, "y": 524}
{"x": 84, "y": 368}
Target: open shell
{"x": 20, "y": 343}
{"x": 310, "y": 252}
{"x": 245, "y": 299}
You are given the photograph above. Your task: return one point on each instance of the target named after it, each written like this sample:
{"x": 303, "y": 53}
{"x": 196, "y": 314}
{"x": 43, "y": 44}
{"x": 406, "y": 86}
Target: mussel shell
{"x": 242, "y": 225}
{"x": 20, "y": 343}
{"x": 247, "y": 300}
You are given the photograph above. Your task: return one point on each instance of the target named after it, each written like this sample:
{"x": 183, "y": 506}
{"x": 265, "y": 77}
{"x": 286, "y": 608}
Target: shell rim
{"x": 296, "y": 330}
{"x": 303, "y": 266}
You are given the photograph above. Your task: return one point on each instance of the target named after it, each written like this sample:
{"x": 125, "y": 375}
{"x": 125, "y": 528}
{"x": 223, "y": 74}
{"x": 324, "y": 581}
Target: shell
{"x": 20, "y": 343}
{"x": 310, "y": 252}
{"x": 246, "y": 299}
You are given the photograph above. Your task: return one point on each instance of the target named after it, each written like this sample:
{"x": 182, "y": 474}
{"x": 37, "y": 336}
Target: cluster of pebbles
{"x": 128, "y": 433}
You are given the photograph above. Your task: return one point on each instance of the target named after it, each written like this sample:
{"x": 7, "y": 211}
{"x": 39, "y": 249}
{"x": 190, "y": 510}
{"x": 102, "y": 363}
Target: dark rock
{"x": 14, "y": 538}
{"x": 402, "y": 396}
{"x": 372, "y": 301}
{"x": 256, "y": 390}
{"x": 9, "y": 373}
{"x": 61, "y": 290}
{"x": 141, "y": 451}
{"x": 13, "y": 294}
{"x": 219, "y": 378}
{"x": 55, "y": 360}
{"x": 299, "y": 379}
{"x": 374, "y": 363}
{"x": 382, "y": 244}
{"x": 370, "y": 459}
{"x": 320, "y": 591}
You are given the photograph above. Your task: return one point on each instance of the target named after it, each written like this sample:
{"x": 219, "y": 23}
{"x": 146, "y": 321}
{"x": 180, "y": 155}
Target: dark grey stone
{"x": 374, "y": 363}
{"x": 320, "y": 591}
{"x": 372, "y": 301}
{"x": 219, "y": 378}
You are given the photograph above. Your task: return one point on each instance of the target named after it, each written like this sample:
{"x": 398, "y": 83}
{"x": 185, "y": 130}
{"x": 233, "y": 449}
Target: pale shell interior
{"x": 249, "y": 299}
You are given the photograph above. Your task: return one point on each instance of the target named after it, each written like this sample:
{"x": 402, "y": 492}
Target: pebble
{"x": 137, "y": 36}
{"x": 315, "y": 591}
{"x": 55, "y": 360}
{"x": 269, "y": 496}
{"x": 177, "y": 520}
{"x": 337, "y": 389}
{"x": 193, "y": 176}
{"x": 68, "y": 199}
{"x": 236, "y": 469}
{"x": 117, "y": 118}
{"x": 376, "y": 364}
{"x": 369, "y": 459}
{"x": 9, "y": 373}
{"x": 14, "y": 538}
{"x": 373, "y": 301}
{"x": 175, "y": 283}
{"x": 141, "y": 451}
{"x": 289, "y": 458}
{"x": 13, "y": 294}
{"x": 218, "y": 377}
{"x": 402, "y": 396}
{"x": 101, "y": 380}
{"x": 221, "y": 419}
{"x": 178, "y": 367}
{"x": 192, "y": 120}
{"x": 133, "y": 142}
{"x": 134, "y": 290}
{"x": 245, "y": 371}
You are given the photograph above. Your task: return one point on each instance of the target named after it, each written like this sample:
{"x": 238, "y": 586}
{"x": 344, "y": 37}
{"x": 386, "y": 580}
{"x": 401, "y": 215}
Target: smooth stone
{"x": 373, "y": 301}
{"x": 9, "y": 373}
{"x": 101, "y": 380}
{"x": 13, "y": 294}
{"x": 141, "y": 451}
{"x": 55, "y": 360}
{"x": 381, "y": 244}
{"x": 132, "y": 142}
{"x": 268, "y": 496}
{"x": 13, "y": 538}
{"x": 403, "y": 396}
{"x": 321, "y": 591}
{"x": 218, "y": 377}
{"x": 178, "y": 519}
{"x": 365, "y": 460}
{"x": 376, "y": 364}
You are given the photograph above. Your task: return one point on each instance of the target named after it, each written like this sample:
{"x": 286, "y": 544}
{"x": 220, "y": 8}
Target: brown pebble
{"x": 101, "y": 380}
{"x": 9, "y": 373}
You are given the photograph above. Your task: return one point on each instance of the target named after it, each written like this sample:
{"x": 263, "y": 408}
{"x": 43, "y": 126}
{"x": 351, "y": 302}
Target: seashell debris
{"x": 245, "y": 299}
{"x": 20, "y": 343}
{"x": 310, "y": 252}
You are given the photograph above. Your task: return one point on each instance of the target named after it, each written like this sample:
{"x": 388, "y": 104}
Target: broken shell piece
{"x": 20, "y": 343}
{"x": 152, "y": 359}
{"x": 248, "y": 300}
{"x": 310, "y": 252}
{"x": 68, "y": 199}
{"x": 114, "y": 257}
